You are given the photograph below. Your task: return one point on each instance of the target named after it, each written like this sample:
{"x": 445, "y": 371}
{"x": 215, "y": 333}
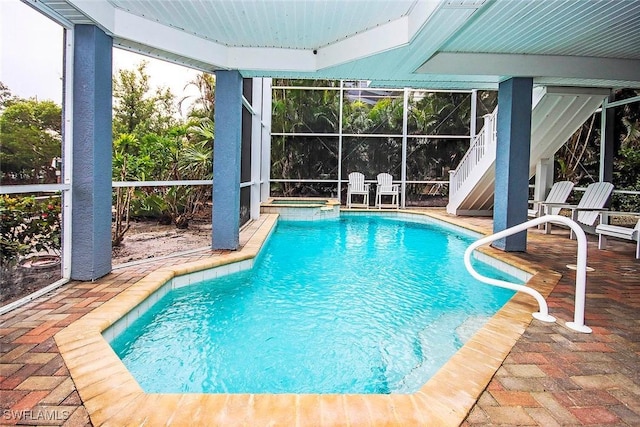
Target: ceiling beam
{"x": 509, "y": 65}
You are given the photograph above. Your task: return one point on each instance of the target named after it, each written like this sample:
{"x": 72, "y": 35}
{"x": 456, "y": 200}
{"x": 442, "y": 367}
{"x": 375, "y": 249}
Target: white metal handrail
{"x": 581, "y": 270}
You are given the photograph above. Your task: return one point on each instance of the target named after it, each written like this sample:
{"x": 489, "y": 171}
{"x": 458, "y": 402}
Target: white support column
{"x": 474, "y": 112}
{"x": 67, "y": 155}
{"x": 256, "y": 146}
{"x": 607, "y": 151}
{"x": 341, "y": 106}
{"x": 544, "y": 179}
{"x": 405, "y": 124}
{"x": 265, "y": 127}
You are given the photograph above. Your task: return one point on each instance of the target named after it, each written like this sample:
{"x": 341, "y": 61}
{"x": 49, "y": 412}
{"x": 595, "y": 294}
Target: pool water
{"x": 359, "y": 305}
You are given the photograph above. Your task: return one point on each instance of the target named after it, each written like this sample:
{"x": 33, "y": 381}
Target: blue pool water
{"x": 359, "y": 305}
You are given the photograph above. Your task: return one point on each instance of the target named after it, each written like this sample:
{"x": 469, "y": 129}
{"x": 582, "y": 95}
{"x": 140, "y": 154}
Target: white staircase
{"x": 557, "y": 113}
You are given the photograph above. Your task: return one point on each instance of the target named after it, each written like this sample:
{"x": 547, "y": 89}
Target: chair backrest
{"x": 637, "y": 227}
{"x": 385, "y": 181}
{"x": 356, "y": 181}
{"x": 559, "y": 192}
{"x": 594, "y": 197}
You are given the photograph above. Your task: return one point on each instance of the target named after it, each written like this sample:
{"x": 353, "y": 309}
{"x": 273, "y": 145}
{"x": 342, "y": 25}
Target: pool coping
{"x": 310, "y": 202}
{"x": 113, "y": 397}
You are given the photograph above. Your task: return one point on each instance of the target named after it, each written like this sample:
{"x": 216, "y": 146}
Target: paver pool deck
{"x": 548, "y": 376}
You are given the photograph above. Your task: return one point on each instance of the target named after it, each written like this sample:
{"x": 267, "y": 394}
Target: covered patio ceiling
{"x": 439, "y": 44}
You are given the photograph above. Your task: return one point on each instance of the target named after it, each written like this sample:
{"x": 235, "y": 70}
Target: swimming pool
{"x": 379, "y": 297}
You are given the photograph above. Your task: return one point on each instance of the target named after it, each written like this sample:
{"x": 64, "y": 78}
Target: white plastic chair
{"x": 386, "y": 188}
{"x": 559, "y": 193}
{"x": 590, "y": 206}
{"x": 604, "y": 230}
{"x": 357, "y": 187}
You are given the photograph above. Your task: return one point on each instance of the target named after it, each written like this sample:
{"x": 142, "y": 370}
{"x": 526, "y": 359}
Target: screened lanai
{"x": 550, "y": 53}
{"x": 549, "y": 65}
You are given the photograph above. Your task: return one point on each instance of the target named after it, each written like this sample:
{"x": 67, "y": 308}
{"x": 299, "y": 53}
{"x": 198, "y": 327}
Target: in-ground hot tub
{"x": 302, "y": 208}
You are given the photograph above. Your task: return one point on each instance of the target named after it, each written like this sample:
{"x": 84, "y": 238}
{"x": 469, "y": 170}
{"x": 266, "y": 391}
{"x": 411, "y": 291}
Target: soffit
{"x": 289, "y": 24}
{"x": 430, "y": 43}
{"x": 606, "y": 29}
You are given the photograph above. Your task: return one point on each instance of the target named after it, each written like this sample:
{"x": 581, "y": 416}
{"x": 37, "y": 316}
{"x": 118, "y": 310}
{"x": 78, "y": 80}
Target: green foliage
{"x": 203, "y": 107}
{"x": 579, "y": 159}
{"x": 364, "y": 112}
{"x": 146, "y": 205}
{"x": 136, "y": 110}
{"x": 27, "y": 226}
{"x": 627, "y": 164}
{"x": 30, "y": 138}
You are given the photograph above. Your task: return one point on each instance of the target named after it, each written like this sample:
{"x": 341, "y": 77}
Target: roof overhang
{"x": 421, "y": 43}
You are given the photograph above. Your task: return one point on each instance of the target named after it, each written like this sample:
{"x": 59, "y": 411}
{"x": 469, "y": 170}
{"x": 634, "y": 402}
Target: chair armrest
{"x": 604, "y": 216}
{"x": 576, "y": 208}
{"x": 558, "y": 205}
{"x": 621, "y": 213}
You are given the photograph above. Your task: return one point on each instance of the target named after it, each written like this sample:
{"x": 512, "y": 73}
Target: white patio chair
{"x": 558, "y": 194}
{"x": 357, "y": 187}
{"x": 604, "y": 230}
{"x": 590, "y": 206}
{"x": 386, "y": 188}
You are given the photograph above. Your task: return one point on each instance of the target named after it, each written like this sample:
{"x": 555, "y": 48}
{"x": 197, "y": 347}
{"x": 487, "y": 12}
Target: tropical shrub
{"x": 28, "y": 226}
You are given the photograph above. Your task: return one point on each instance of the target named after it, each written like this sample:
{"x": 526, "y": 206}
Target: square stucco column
{"x": 512, "y": 161}
{"x": 225, "y": 232}
{"x": 91, "y": 186}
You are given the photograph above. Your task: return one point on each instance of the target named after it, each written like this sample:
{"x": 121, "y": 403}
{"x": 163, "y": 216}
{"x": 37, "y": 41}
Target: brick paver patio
{"x": 553, "y": 376}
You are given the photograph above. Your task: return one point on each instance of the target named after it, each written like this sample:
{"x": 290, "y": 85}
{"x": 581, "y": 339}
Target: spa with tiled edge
{"x": 302, "y": 208}
{"x": 113, "y": 397}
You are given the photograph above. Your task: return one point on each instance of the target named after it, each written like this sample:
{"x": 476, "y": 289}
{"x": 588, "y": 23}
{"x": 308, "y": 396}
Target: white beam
{"x": 379, "y": 39}
{"x": 275, "y": 59}
{"x": 102, "y": 13}
{"x": 506, "y": 65}
{"x": 155, "y": 35}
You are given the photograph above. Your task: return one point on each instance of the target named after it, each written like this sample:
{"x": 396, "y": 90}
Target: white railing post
{"x": 581, "y": 270}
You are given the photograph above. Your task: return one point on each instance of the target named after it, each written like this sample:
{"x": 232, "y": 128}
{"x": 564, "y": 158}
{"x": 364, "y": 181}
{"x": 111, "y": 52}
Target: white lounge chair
{"x": 558, "y": 194}
{"x": 590, "y": 206}
{"x": 604, "y": 230}
{"x": 386, "y": 188}
{"x": 357, "y": 187}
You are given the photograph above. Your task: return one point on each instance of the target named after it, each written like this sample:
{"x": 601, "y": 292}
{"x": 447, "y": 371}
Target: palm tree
{"x": 204, "y": 105}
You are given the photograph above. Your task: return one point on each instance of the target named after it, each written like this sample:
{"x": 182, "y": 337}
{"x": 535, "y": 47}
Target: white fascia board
{"x": 447, "y": 83}
{"x": 162, "y": 37}
{"x": 379, "y": 39}
{"x": 273, "y": 59}
{"x": 176, "y": 41}
{"x": 48, "y": 12}
{"x": 101, "y": 12}
{"x": 507, "y": 65}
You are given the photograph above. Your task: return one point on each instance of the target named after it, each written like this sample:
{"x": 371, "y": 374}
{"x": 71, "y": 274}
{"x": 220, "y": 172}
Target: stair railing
{"x": 480, "y": 146}
{"x": 581, "y": 270}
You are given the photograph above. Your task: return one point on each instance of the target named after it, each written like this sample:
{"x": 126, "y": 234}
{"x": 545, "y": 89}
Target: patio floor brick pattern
{"x": 552, "y": 376}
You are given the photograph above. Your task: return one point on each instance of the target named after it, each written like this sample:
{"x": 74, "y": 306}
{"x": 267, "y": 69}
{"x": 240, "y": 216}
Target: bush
{"x": 27, "y": 226}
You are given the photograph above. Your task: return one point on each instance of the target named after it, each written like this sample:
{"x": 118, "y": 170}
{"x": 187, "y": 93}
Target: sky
{"x": 31, "y": 57}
